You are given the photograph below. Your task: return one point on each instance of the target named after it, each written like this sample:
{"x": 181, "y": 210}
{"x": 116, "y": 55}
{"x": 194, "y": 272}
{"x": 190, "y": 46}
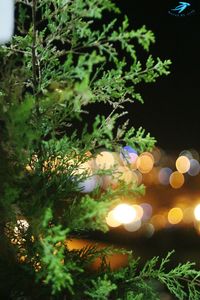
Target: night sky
{"x": 171, "y": 111}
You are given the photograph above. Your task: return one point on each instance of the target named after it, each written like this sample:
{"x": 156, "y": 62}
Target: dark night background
{"x": 170, "y": 112}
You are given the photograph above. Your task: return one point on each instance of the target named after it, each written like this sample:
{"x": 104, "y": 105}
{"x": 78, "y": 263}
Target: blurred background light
{"x": 145, "y": 162}
{"x": 175, "y": 215}
{"x": 105, "y": 160}
{"x": 139, "y": 212}
{"x": 133, "y": 226}
{"x": 111, "y": 220}
{"x": 176, "y": 180}
{"x": 124, "y": 213}
{"x": 182, "y": 164}
{"x": 197, "y": 212}
{"x": 129, "y": 156}
{"x": 147, "y": 211}
{"x": 194, "y": 167}
{"x": 164, "y": 175}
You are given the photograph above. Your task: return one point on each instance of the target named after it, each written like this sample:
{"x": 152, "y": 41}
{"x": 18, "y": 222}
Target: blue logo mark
{"x": 183, "y": 9}
{"x": 180, "y": 8}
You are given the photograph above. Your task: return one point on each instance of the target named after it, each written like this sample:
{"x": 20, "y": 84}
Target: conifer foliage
{"x": 66, "y": 58}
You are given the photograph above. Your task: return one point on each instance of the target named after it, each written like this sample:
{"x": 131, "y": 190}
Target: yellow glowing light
{"x": 182, "y": 164}
{"x": 117, "y": 159}
{"x": 126, "y": 175}
{"x": 176, "y": 180}
{"x": 124, "y": 213}
{"x": 121, "y": 173}
{"x": 111, "y": 220}
{"x": 175, "y": 215}
{"x": 145, "y": 162}
{"x": 139, "y": 212}
{"x": 197, "y": 212}
{"x": 135, "y": 178}
{"x": 105, "y": 160}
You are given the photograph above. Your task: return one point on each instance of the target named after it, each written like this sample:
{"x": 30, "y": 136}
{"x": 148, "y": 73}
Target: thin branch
{"x": 34, "y": 58}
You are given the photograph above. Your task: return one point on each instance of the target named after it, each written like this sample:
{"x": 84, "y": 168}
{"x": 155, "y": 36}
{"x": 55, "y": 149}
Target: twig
{"x": 34, "y": 58}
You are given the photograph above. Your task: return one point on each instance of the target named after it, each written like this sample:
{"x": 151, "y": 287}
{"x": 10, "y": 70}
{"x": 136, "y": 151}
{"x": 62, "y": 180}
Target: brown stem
{"x": 34, "y": 58}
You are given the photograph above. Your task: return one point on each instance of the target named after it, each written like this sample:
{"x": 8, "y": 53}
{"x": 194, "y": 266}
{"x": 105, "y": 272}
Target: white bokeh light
{"x": 197, "y": 212}
{"x": 124, "y": 213}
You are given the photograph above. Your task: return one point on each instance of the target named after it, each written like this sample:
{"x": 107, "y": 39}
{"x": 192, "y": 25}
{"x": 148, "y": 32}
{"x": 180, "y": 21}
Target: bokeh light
{"x": 175, "y": 215}
{"x": 147, "y": 211}
{"x": 127, "y": 175}
{"x": 176, "y": 180}
{"x": 105, "y": 160}
{"x": 124, "y": 213}
{"x": 145, "y": 162}
{"x": 89, "y": 184}
{"x": 132, "y": 160}
{"x": 164, "y": 175}
{"x": 182, "y": 164}
{"x": 129, "y": 149}
{"x": 133, "y": 226}
{"x": 86, "y": 167}
{"x": 120, "y": 173}
{"x": 197, "y": 212}
{"x": 129, "y": 156}
{"x": 111, "y": 220}
{"x": 139, "y": 212}
{"x": 194, "y": 167}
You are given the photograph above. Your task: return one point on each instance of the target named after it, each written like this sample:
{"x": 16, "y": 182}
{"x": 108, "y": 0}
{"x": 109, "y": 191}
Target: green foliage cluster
{"x": 60, "y": 62}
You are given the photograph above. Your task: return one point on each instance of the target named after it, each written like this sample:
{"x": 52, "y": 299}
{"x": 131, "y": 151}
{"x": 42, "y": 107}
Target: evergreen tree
{"x": 62, "y": 62}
